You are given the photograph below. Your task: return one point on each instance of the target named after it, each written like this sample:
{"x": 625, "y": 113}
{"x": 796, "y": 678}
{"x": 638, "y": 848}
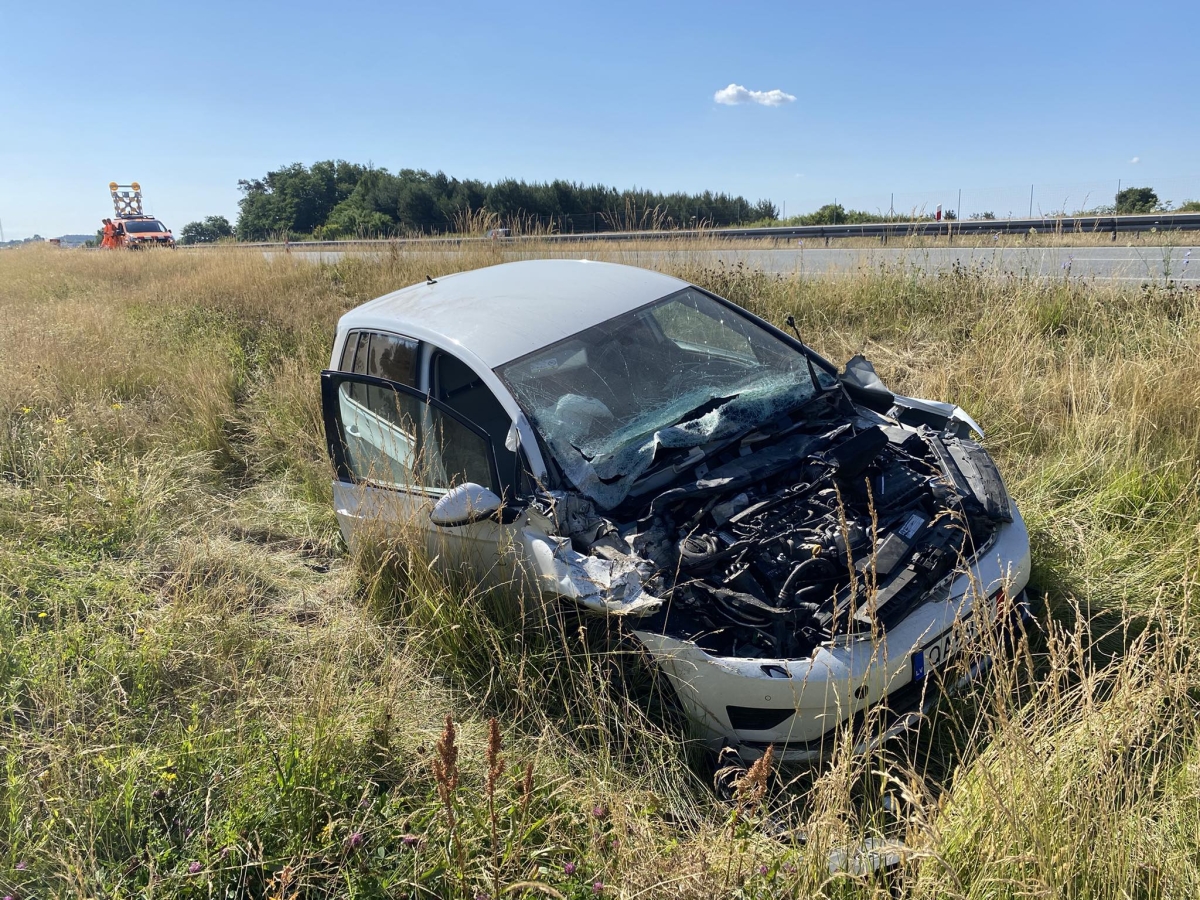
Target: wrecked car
{"x": 793, "y": 545}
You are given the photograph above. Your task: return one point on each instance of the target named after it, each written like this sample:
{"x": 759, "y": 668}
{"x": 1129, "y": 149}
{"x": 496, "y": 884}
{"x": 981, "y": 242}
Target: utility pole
{"x": 1031, "y": 201}
{"x": 958, "y": 212}
{"x": 1, "y": 232}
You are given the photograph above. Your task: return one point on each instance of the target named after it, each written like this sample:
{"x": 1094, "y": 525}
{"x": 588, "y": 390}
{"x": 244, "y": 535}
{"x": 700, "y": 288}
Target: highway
{"x": 1115, "y": 263}
{"x": 1104, "y": 263}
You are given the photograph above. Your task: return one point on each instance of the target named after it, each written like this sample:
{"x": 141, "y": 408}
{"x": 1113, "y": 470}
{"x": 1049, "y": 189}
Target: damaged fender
{"x": 861, "y": 378}
{"x": 601, "y": 585}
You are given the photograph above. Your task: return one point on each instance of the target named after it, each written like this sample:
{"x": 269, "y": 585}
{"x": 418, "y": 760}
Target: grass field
{"x": 202, "y": 694}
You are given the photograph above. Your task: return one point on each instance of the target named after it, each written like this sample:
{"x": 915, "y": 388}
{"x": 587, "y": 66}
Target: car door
{"x": 396, "y": 450}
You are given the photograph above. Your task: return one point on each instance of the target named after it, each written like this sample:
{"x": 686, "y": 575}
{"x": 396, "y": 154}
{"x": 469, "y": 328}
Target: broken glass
{"x": 682, "y": 372}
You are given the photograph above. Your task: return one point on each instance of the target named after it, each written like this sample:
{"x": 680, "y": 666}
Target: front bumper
{"x": 801, "y": 705}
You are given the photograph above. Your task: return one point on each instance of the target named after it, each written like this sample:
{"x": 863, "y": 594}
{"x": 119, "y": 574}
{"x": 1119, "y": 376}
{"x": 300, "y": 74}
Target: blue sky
{"x": 919, "y": 100}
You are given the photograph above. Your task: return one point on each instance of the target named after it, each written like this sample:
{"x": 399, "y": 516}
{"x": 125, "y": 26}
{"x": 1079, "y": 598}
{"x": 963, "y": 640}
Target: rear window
{"x": 143, "y": 227}
{"x": 380, "y": 355}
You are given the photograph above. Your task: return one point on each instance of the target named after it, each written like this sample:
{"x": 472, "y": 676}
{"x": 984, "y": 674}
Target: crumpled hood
{"x": 607, "y": 477}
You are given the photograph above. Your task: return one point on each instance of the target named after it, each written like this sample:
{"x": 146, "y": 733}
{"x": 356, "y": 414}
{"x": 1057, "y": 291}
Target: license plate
{"x": 941, "y": 649}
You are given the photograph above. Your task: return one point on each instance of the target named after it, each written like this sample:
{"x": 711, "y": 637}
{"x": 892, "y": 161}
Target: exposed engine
{"x": 834, "y": 528}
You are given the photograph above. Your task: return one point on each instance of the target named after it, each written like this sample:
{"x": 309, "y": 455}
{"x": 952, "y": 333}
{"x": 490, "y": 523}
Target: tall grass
{"x": 203, "y": 693}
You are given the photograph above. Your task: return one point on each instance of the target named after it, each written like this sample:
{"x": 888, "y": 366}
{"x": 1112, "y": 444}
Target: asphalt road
{"x": 1106, "y": 263}
{"x": 1118, "y": 263}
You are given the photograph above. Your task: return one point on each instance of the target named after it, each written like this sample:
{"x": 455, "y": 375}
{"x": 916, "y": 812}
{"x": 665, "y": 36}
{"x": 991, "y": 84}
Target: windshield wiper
{"x": 812, "y": 372}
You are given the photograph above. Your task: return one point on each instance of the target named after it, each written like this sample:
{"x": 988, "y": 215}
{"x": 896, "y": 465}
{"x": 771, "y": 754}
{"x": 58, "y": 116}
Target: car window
{"x": 380, "y": 355}
{"x": 395, "y": 439}
{"x": 458, "y": 386}
{"x": 348, "y": 351}
{"x": 379, "y": 429}
{"x": 360, "y": 354}
{"x": 393, "y": 358}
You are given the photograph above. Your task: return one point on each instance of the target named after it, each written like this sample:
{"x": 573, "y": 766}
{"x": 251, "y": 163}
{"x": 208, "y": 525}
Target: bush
{"x": 1134, "y": 200}
{"x": 209, "y": 231}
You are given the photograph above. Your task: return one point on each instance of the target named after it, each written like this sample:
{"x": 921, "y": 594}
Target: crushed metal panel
{"x": 602, "y": 585}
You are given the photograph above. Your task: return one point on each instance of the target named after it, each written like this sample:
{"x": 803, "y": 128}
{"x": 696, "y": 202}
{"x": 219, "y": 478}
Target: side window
{"x": 379, "y": 433}
{"x": 457, "y": 386}
{"x": 395, "y": 439}
{"x": 348, "y": 351}
{"x": 393, "y": 358}
{"x": 381, "y": 356}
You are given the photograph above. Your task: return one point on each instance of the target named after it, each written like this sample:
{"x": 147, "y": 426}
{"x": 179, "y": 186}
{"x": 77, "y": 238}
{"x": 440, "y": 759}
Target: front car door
{"x": 397, "y": 450}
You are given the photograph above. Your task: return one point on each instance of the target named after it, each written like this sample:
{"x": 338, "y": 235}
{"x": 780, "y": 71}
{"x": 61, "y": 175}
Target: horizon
{"x": 667, "y": 99}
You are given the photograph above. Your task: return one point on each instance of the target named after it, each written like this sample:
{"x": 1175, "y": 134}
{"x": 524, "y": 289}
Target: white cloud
{"x": 735, "y": 94}
{"x": 1136, "y": 160}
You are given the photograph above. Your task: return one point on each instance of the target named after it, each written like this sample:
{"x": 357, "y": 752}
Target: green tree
{"x": 337, "y": 198}
{"x": 349, "y": 220}
{"x": 1133, "y": 200}
{"x": 209, "y": 231}
{"x": 295, "y": 199}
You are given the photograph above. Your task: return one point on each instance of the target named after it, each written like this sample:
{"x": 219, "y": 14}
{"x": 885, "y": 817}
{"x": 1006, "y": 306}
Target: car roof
{"x": 503, "y": 312}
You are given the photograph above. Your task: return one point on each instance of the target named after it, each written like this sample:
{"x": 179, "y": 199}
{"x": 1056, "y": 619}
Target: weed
{"x": 203, "y": 693}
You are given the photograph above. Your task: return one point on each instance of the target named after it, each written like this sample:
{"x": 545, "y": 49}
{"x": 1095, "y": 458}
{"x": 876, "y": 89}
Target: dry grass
{"x": 472, "y": 226}
{"x": 202, "y": 694}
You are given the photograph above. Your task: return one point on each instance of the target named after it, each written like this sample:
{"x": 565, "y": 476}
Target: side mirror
{"x": 463, "y": 505}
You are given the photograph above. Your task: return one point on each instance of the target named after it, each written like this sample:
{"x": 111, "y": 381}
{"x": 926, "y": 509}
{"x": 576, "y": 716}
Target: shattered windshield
{"x": 681, "y": 372}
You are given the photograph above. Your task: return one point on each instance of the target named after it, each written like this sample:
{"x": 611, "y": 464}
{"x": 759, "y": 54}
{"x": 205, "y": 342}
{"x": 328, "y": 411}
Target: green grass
{"x": 203, "y": 694}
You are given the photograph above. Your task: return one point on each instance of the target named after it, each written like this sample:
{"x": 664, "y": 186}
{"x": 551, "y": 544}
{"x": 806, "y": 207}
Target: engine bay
{"x": 791, "y": 537}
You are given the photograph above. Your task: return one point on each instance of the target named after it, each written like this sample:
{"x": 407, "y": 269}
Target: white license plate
{"x": 942, "y": 648}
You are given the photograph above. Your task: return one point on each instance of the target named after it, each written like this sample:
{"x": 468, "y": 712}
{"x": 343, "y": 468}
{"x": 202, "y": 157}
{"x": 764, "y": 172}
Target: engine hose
{"x": 738, "y": 616}
{"x": 746, "y": 609}
{"x": 804, "y": 571}
{"x": 701, "y": 553}
{"x": 812, "y": 594}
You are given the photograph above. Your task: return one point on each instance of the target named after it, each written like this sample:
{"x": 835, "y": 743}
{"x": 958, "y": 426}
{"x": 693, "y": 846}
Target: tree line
{"x": 338, "y": 199}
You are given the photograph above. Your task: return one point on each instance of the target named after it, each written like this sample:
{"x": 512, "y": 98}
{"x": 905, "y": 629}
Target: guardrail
{"x": 882, "y": 230}
{"x": 1043, "y": 225}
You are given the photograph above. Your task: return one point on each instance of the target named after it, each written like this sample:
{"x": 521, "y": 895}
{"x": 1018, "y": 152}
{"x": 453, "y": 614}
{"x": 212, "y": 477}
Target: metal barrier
{"x": 883, "y": 230}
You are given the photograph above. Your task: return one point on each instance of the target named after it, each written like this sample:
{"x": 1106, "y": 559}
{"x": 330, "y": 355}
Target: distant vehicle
{"x": 499, "y": 233}
{"x": 145, "y": 231}
{"x": 132, "y": 228}
{"x": 792, "y": 545}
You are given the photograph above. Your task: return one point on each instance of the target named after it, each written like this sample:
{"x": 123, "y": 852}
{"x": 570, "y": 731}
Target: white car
{"x": 792, "y": 545}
